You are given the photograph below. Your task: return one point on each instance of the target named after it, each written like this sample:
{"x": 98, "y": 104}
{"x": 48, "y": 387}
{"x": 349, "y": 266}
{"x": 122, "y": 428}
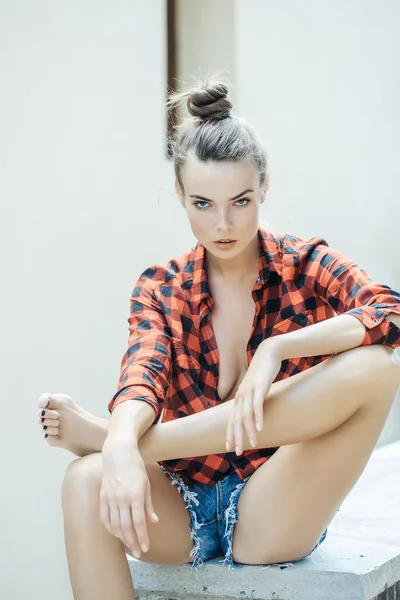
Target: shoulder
{"x": 294, "y": 244}
{"x": 296, "y": 250}
{"x": 164, "y": 279}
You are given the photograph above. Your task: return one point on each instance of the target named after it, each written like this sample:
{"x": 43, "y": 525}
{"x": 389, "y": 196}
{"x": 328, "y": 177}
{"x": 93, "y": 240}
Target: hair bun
{"x": 210, "y": 102}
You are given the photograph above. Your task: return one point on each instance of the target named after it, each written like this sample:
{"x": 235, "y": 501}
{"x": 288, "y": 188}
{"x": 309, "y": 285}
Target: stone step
{"x": 359, "y": 560}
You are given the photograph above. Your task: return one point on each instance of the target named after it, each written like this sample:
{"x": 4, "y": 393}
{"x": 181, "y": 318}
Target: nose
{"x": 224, "y": 222}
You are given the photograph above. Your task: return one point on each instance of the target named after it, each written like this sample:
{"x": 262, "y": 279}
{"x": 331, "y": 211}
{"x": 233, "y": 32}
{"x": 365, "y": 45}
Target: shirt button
{"x": 376, "y": 320}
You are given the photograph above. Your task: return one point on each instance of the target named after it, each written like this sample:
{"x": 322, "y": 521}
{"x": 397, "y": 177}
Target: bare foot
{"x": 69, "y": 426}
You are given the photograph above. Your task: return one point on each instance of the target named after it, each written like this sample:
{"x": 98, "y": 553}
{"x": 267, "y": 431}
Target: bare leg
{"x": 300, "y": 408}
{"x": 296, "y": 409}
{"x": 97, "y": 562}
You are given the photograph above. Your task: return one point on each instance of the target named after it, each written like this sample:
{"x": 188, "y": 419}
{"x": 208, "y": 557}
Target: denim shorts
{"x": 213, "y": 515}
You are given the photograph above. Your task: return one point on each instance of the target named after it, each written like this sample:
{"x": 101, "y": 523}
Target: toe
{"x": 49, "y": 422}
{"x": 48, "y": 414}
{"x": 54, "y": 401}
{"x": 51, "y": 431}
{"x": 52, "y": 440}
{"x": 44, "y": 400}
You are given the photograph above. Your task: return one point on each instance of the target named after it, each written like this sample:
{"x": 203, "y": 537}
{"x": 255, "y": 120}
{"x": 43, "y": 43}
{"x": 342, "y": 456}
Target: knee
{"x": 386, "y": 363}
{"x": 376, "y": 366}
{"x": 82, "y": 481}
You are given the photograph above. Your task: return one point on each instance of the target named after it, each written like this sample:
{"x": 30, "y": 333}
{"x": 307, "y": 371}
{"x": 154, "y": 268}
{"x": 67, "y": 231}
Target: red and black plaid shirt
{"x": 172, "y": 356}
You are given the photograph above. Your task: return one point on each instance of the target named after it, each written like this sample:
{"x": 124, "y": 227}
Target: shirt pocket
{"x": 293, "y": 323}
{"x": 182, "y": 357}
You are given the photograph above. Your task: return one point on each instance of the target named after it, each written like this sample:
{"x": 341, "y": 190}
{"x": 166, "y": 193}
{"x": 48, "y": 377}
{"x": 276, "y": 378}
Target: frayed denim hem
{"x": 203, "y": 546}
{"x": 189, "y": 497}
{"x": 231, "y": 518}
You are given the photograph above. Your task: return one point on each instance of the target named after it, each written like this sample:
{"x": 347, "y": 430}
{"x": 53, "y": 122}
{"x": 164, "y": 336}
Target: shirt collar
{"x": 269, "y": 260}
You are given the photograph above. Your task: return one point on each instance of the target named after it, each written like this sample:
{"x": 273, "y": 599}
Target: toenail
{"x": 43, "y": 413}
{"x": 44, "y": 426}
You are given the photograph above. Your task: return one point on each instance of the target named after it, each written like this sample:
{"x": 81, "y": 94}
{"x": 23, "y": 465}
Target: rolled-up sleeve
{"x": 348, "y": 289}
{"x": 146, "y": 365}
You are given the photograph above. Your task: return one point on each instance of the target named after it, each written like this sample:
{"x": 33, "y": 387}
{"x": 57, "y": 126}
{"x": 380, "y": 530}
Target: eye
{"x": 247, "y": 200}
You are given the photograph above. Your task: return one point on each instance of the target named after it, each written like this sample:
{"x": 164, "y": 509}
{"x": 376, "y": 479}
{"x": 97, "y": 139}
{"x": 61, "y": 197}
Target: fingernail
{"x": 44, "y": 426}
{"x": 46, "y": 435}
{"x": 144, "y": 548}
{"x": 227, "y": 445}
{"x": 258, "y": 426}
{"x": 155, "y": 517}
{"x": 43, "y": 413}
{"x": 252, "y": 444}
{"x": 237, "y": 450}
{"x": 42, "y": 420}
{"x": 136, "y": 554}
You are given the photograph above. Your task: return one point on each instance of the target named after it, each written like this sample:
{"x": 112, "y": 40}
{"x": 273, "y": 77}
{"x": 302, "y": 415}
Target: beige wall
{"x": 86, "y": 200}
{"x": 206, "y": 40}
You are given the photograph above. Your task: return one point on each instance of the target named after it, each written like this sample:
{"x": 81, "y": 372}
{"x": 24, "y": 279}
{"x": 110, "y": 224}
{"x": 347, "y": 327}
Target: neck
{"x": 236, "y": 270}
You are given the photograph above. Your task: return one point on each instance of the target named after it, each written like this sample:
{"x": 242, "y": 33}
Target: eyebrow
{"x": 208, "y": 199}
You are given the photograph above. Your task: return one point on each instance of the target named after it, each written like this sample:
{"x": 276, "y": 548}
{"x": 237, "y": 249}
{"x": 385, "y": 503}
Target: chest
{"x": 232, "y": 321}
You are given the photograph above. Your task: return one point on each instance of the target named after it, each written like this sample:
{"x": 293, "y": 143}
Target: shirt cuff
{"x": 379, "y": 328}
{"x": 136, "y": 392}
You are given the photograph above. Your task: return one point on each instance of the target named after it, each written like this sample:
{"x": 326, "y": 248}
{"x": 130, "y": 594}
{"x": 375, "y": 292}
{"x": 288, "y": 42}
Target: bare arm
{"x": 128, "y": 422}
{"x": 195, "y": 435}
{"x": 204, "y": 433}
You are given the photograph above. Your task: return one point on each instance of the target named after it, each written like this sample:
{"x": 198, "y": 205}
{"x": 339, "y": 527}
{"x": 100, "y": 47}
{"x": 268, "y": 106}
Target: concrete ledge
{"x": 359, "y": 560}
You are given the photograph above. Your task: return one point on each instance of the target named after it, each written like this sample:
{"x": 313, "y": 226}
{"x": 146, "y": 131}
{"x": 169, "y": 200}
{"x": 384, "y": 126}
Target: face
{"x": 222, "y": 200}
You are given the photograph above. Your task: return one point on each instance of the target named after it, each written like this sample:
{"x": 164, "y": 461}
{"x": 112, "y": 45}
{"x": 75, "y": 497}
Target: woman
{"x": 227, "y": 335}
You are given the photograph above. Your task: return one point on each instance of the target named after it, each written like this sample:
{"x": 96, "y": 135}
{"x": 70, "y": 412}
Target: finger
{"x": 105, "y": 512}
{"x": 149, "y": 506}
{"x": 258, "y": 404}
{"x": 127, "y": 529}
{"x": 248, "y": 419}
{"x": 139, "y": 521}
{"x": 229, "y": 428}
{"x": 115, "y": 522}
{"x": 238, "y": 428}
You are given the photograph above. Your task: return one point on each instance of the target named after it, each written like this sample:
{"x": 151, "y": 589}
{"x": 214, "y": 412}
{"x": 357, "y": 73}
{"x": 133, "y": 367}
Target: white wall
{"x": 87, "y": 202}
{"x": 320, "y": 82}
{"x": 84, "y": 210}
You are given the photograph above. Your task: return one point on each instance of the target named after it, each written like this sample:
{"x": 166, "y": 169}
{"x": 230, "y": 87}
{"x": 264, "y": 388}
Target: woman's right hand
{"x": 125, "y": 496}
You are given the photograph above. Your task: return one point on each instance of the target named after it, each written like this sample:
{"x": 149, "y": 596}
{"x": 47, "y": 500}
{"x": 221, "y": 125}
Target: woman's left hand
{"x": 247, "y": 408}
